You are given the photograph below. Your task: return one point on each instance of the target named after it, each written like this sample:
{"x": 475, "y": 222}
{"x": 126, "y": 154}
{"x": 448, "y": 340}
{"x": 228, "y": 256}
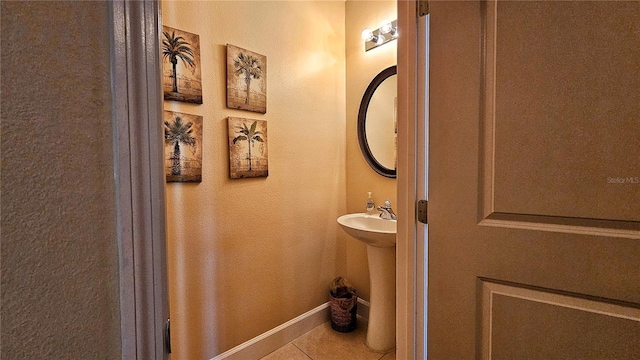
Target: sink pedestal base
{"x": 381, "y": 332}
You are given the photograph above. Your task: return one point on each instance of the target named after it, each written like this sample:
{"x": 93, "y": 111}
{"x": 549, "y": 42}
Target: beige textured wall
{"x": 362, "y": 67}
{"x": 59, "y": 249}
{"x": 247, "y": 255}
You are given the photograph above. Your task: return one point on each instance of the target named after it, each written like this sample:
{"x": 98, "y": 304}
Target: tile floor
{"x": 323, "y": 343}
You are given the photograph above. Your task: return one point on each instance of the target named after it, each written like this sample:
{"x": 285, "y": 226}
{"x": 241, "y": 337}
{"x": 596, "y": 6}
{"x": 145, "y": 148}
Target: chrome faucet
{"x": 387, "y": 213}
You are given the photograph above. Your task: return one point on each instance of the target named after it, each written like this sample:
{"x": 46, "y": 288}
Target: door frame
{"x": 411, "y": 250}
{"x": 139, "y": 177}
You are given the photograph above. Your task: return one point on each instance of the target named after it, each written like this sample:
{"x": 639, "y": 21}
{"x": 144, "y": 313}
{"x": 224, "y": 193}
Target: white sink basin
{"x": 370, "y": 229}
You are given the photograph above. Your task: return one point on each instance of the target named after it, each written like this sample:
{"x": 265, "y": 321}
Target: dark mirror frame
{"x": 362, "y": 118}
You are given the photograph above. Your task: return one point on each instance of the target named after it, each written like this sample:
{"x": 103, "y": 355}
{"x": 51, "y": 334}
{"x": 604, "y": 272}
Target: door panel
{"x": 534, "y": 207}
{"x": 520, "y": 323}
{"x": 562, "y": 107}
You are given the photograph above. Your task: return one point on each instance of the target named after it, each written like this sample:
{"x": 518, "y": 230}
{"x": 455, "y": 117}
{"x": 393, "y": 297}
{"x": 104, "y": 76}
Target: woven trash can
{"x": 344, "y": 305}
{"x": 343, "y": 313}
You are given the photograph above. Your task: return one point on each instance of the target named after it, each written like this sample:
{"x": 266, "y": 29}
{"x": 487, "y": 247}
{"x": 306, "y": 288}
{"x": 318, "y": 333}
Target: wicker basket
{"x": 343, "y": 312}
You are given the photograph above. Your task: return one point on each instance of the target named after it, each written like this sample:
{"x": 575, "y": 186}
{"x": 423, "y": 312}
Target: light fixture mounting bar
{"x": 386, "y": 37}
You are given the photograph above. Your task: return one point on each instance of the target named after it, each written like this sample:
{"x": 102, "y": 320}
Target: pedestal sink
{"x": 380, "y": 237}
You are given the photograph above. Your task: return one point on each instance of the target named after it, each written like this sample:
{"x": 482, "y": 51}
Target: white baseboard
{"x": 363, "y": 310}
{"x": 277, "y": 337}
{"x": 280, "y": 336}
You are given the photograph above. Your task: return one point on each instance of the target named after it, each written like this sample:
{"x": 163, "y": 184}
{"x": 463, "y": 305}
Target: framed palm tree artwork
{"x": 248, "y": 155}
{"x": 182, "y": 147}
{"x": 246, "y": 80}
{"x": 181, "y": 79}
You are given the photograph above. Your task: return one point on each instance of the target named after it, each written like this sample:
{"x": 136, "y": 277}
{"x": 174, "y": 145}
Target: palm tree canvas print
{"x": 246, "y": 80}
{"x": 181, "y": 79}
{"x": 248, "y": 155}
{"x": 182, "y": 147}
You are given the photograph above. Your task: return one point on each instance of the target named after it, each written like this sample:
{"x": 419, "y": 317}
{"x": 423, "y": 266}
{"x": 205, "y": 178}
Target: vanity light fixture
{"x": 387, "y": 31}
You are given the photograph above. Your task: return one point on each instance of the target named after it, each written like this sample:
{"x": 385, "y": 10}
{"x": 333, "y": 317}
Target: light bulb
{"x": 385, "y": 27}
{"x": 367, "y": 35}
{"x": 380, "y": 39}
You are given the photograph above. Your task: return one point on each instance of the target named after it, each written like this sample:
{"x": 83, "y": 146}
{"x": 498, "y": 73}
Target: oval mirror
{"x": 377, "y": 129}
